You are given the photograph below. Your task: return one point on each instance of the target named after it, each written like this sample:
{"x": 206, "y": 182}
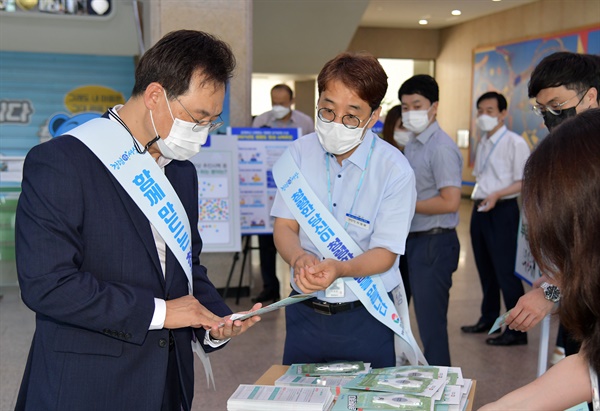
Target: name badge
{"x": 357, "y": 221}
{"x": 336, "y": 289}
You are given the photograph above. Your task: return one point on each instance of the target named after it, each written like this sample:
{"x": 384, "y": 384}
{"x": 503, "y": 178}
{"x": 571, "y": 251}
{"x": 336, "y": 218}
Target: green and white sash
{"x": 149, "y": 188}
{"x": 332, "y": 241}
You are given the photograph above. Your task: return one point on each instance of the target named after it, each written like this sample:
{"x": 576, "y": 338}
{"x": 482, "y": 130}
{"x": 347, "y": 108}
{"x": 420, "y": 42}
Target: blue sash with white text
{"x": 332, "y": 241}
{"x": 145, "y": 182}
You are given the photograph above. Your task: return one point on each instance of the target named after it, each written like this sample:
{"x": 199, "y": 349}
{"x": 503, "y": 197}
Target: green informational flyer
{"x": 272, "y": 307}
{"x": 396, "y": 384}
{"x": 371, "y": 401}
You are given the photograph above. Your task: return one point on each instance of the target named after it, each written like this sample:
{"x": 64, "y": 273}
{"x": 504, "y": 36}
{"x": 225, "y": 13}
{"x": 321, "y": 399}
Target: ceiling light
{"x": 456, "y": 12}
{"x": 423, "y": 22}
{"x": 496, "y": 0}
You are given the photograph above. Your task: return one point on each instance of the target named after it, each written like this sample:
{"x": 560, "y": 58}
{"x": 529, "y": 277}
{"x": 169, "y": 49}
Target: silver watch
{"x": 551, "y": 292}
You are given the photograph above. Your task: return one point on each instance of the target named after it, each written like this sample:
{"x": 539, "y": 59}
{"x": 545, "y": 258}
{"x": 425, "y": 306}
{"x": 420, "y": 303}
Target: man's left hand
{"x": 319, "y": 276}
{"x": 489, "y": 202}
{"x": 234, "y": 328}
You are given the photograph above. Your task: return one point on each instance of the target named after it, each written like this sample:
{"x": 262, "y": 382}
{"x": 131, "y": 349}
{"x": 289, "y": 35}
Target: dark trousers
{"x": 268, "y": 255}
{"x": 431, "y": 261}
{"x": 352, "y": 335}
{"x": 494, "y": 241}
{"x": 172, "y": 396}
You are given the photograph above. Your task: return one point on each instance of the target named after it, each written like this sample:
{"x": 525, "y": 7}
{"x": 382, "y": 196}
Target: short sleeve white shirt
{"x": 386, "y": 198}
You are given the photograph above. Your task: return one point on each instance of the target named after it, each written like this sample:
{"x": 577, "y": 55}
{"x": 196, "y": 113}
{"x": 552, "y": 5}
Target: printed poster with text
{"x": 258, "y": 150}
{"x": 525, "y": 266}
{"x": 218, "y": 220}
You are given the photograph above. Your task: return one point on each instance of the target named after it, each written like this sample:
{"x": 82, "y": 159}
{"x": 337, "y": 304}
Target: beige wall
{"x": 454, "y": 64}
{"x": 229, "y": 20}
{"x": 305, "y": 97}
{"x": 397, "y": 43}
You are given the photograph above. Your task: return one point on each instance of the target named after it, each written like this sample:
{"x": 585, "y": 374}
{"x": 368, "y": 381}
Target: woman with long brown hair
{"x": 561, "y": 198}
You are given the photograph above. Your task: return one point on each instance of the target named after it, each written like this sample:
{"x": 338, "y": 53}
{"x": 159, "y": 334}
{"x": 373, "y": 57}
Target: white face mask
{"x": 183, "y": 142}
{"x": 416, "y": 120}
{"x": 401, "y": 137}
{"x": 280, "y": 111}
{"x": 336, "y": 138}
{"x": 486, "y": 123}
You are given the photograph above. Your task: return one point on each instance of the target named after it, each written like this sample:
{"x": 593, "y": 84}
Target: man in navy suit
{"x": 115, "y": 319}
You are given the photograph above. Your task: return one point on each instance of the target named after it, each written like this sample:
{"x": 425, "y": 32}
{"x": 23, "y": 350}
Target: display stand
{"x": 544, "y": 341}
{"x": 247, "y": 247}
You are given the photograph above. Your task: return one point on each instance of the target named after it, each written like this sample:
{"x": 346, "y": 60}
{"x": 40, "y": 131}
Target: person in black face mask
{"x": 564, "y": 84}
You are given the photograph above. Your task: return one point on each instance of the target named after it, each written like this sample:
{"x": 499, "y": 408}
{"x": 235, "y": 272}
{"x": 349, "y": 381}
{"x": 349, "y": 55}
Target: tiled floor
{"x": 496, "y": 369}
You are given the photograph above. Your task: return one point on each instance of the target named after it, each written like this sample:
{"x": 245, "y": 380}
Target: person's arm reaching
{"x": 564, "y": 385}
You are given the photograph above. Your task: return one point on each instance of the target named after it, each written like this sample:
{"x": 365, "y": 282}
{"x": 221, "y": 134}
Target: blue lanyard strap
{"x": 360, "y": 182}
{"x": 490, "y": 153}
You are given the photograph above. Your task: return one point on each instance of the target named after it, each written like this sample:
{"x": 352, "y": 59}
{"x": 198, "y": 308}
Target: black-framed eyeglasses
{"x": 349, "y": 120}
{"x": 556, "y": 109}
{"x": 199, "y": 125}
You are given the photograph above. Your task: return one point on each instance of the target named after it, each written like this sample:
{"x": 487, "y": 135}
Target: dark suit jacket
{"x": 88, "y": 266}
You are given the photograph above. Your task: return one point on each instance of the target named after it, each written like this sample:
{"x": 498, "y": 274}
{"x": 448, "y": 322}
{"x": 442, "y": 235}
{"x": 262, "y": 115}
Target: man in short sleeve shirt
{"x": 500, "y": 160}
{"x": 369, "y": 188}
{"x": 432, "y": 247}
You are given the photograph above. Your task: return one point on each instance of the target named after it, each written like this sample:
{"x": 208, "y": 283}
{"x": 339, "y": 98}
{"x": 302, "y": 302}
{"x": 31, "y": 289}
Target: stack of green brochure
{"x": 415, "y": 388}
{"x": 354, "y": 386}
{"x": 332, "y": 375}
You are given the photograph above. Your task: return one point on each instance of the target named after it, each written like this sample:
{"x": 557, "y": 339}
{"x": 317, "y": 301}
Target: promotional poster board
{"x": 218, "y": 194}
{"x": 259, "y": 149}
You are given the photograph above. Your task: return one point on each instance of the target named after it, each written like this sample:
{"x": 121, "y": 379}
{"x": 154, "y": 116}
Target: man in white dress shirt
{"x": 500, "y": 160}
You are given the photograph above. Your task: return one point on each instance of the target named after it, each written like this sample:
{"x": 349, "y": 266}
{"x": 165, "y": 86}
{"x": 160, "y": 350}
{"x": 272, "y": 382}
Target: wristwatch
{"x": 551, "y": 292}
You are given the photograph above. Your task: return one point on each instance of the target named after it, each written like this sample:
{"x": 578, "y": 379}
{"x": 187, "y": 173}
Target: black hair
{"x": 421, "y": 84}
{"x": 575, "y": 71}
{"x": 284, "y": 87}
{"x": 361, "y": 72}
{"x": 176, "y": 57}
{"x": 502, "y": 104}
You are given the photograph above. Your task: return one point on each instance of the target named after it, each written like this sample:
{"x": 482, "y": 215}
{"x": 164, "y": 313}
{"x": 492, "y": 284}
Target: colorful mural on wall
{"x": 507, "y": 68}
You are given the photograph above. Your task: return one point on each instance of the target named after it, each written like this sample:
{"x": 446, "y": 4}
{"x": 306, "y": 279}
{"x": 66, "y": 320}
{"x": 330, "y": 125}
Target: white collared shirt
{"x": 499, "y": 162}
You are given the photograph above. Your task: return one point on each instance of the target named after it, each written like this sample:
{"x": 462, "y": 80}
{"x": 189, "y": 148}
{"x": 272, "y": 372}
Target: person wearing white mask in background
{"x": 369, "y": 188}
{"x": 394, "y": 131}
{"x": 281, "y": 116}
{"x": 432, "y": 247}
{"x": 499, "y": 164}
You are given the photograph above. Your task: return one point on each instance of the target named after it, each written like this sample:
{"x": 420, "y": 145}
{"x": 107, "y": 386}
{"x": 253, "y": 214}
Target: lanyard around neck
{"x": 490, "y": 153}
{"x": 362, "y": 177}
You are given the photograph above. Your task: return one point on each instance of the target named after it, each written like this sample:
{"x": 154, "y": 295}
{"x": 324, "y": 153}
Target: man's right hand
{"x": 188, "y": 312}
{"x": 529, "y": 311}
